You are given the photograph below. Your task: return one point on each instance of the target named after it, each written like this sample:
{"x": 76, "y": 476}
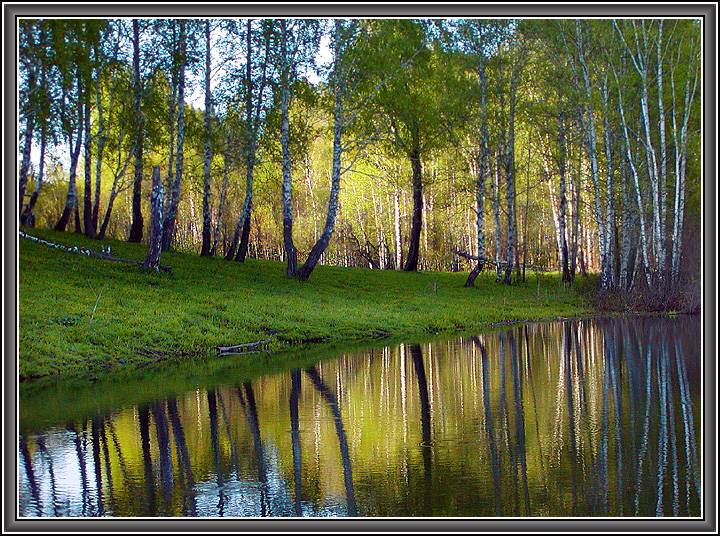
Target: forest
{"x": 446, "y": 145}
{"x": 360, "y": 267}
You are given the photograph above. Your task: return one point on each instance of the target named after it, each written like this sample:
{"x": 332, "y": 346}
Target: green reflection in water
{"x": 575, "y": 418}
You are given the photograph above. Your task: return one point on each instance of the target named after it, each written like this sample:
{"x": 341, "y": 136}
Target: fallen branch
{"x": 247, "y": 348}
{"x": 469, "y": 256}
{"x": 104, "y": 254}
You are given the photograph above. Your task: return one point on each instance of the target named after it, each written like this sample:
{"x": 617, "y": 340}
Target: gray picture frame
{"x": 11, "y": 11}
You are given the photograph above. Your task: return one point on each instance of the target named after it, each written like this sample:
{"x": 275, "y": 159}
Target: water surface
{"x": 574, "y": 418}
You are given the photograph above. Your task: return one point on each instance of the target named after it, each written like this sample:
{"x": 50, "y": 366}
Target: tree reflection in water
{"x": 594, "y": 417}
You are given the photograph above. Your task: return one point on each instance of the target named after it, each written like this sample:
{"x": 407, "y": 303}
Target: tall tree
{"x": 413, "y": 101}
{"x": 509, "y": 165}
{"x": 207, "y": 158}
{"x": 29, "y": 70}
{"x": 136, "y": 227}
{"x": 343, "y": 36}
{"x": 173, "y": 195}
{"x": 256, "y": 81}
{"x": 298, "y": 41}
{"x": 37, "y": 109}
{"x": 66, "y": 44}
{"x": 480, "y": 39}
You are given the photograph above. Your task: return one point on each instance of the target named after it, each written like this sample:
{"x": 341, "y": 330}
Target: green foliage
{"x": 412, "y": 90}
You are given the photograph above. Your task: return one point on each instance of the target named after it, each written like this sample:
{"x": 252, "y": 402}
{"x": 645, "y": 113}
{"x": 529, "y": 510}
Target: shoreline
{"x": 85, "y": 316}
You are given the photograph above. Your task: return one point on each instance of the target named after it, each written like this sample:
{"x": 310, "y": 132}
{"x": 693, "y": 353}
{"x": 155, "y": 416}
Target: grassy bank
{"x": 81, "y": 315}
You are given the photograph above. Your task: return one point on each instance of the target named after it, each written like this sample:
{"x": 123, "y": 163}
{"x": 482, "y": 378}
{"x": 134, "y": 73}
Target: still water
{"x": 574, "y": 418}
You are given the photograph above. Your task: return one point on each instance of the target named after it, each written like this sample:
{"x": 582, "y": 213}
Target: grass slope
{"x": 80, "y": 315}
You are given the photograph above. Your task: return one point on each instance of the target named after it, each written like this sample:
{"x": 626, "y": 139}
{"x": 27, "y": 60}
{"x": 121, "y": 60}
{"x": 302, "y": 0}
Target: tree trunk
{"x": 575, "y": 234}
{"x": 290, "y": 252}
{"x": 527, "y": 210}
{"x": 253, "y": 119}
{"x": 25, "y": 162}
{"x": 322, "y": 243}
{"x": 206, "y": 233}
{"x": 482, "y": 167}
{"x": 101, "y": 140}
{"x": 108, "y": 213}
{"x": 244, "y": 222}
{"x": 251, "y": 125}
{"x": 636, "y": 179}
{"x": 566, "y": 279}
{"x": 662, "y": 171}
{"x": 27, "y": 144}
{"x": 626, "y": 230}
{"x": 152, "y": 261}
{"x": 680, "y": 142}
{"x": 87, "y": 194}
{"x": 169, "y": 223}
{"x": 496, "y": 219}
{"x": 658, "y": 244}
{"x": 411, "y": 264}
{"x": 136, "y": 228}
{"x": 28, "y": 217}
{"x": 608, "y": 262}
{"x": 588, "y": 124}
{"x": 78, "y": 224}
{"x": 398, "y": 237}
{"x": 71, "y": 198}
{"x": 510, "y": 180}
{"x": 221, "y": 210}
{"x": 556, "y": 225}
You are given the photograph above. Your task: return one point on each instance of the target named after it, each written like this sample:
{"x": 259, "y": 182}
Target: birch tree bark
{"x": 29, "y": 131}
{"x": 662, "y": 171}
{"x": 587, "y": 122}
{"x": 206, "y": 248}
{"x": 680, "y": 142}
{"x": 636, "y": 179}
{"x": 575, "y": 236}
{"x": 510, "y": 178}
{"x": 254, "y": 120}
{"x": 221, "y": 209}
{"x": 71, "y": 197}
{"x": 608, "y": 261}
{"x": 482, "y": 166}
{"x": 638, "y": 58}
{"x": 398, "y": 237}
{"x": 496, "y": 218}
{"x": 152, "y": 260}
{"x": 562, "y": 226}
{"x": 27, "y": 216}
{"x": 25, "y": 162}
{"x": 289, "y": 245}
{"x": 170, "y": 217}
{"x": 627, "y": 220}
{"x": 338, "y": 123}
{"x": 101, "y": 140}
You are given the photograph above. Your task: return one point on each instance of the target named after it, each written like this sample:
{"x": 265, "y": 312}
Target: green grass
{"x": 205, "y": 302}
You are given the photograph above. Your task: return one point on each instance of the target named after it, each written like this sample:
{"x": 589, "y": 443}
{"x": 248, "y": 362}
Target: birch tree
{"x": 481, "y": 39}
{"x": 173, "y": 195}
{"x": 136, "y": 228}
{"x": 71, "y": 109}
{"x": 207, "y": 157}
{"x": 256, "y": 82}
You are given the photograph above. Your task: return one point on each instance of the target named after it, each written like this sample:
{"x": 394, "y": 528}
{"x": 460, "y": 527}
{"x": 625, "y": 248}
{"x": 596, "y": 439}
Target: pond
{"x": 592, "y": 417}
